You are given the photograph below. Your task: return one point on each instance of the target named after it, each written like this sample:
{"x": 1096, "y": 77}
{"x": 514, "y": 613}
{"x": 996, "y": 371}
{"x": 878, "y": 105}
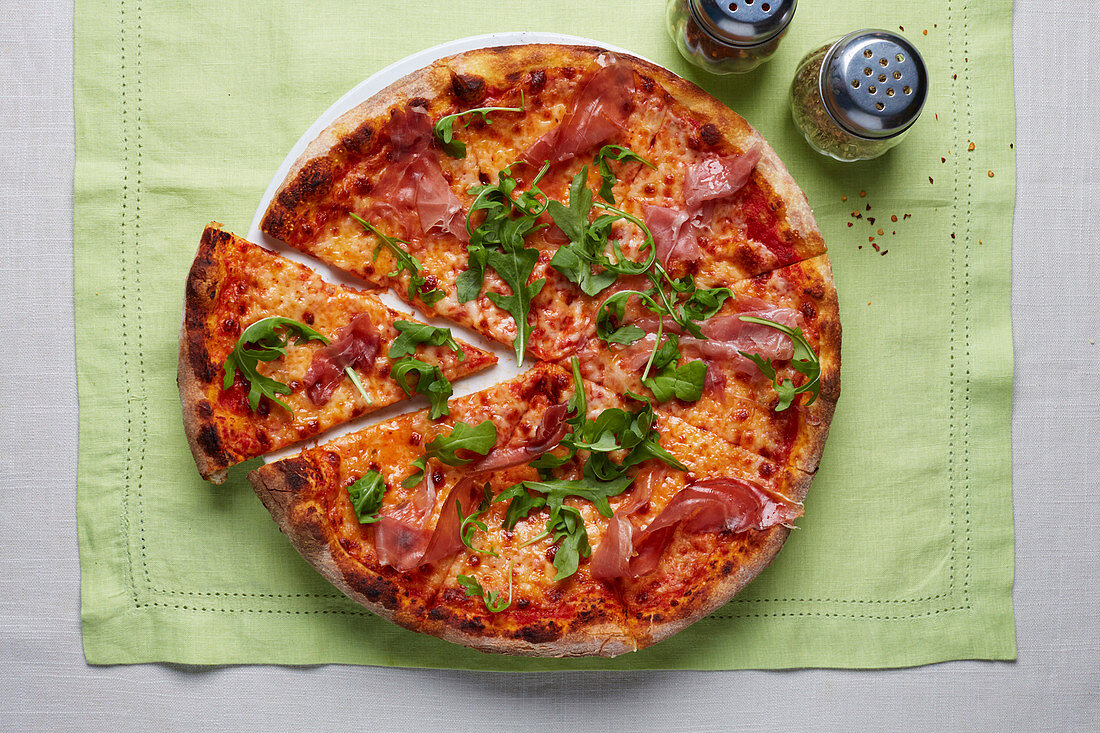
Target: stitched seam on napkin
{"x": 133, "y": 213}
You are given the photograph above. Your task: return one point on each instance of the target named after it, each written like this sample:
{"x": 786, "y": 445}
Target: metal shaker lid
{"x": 742, "y": 22}
{"x": 873, "y": 83}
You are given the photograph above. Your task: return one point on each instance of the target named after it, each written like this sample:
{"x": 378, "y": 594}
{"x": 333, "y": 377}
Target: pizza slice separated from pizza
{"x": 271, "y": 354}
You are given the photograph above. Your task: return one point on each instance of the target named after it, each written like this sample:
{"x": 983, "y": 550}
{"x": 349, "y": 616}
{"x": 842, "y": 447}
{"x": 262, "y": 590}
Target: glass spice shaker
{"x": 855, "y": 98}
{"x": 726, "y": 37}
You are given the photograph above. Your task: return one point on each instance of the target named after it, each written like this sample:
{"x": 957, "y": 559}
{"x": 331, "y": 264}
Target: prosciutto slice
{"x": 599, "y": 110}
{"x": 446, "y": 539}
{"x": 401, "y": 536}
{"x": 611, "y": 559}
{"x": 718, "y": 177}
{"x": 415, "y": 184}
{"x": 673, "y": 234}
{"x": 726, "y": 336}
{"x": 356, "y": 347}
{"x": 714, "y": 177}
{"x": 710, "y": 505}
{"x": 551, "y": 430}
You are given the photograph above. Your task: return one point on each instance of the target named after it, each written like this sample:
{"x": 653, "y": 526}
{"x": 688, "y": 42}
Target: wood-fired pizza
{"x": 597, "y": 214}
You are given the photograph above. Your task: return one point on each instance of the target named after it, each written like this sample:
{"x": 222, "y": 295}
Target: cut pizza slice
{"x": 271, "y": 354}
{"x": 376, "y": 511}
{"x": 712, "y": 384}
{"x": 545, "y": 564}
{"x": 689, "y": 541}
{"x": 522, "y": 582}
{"x": 719, "y": 203}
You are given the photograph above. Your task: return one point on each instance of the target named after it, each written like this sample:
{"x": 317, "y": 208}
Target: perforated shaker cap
{"x": 743, "y": 22}
{"x": 874, "y": 83}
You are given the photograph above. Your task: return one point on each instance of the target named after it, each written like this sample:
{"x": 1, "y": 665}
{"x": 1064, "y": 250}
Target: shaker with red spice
{"x": 726, "y": 37}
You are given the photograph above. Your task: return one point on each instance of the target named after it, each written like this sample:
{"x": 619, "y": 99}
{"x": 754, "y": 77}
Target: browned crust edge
{"x": 278, "y": 485}
{"x": 210, "y": 452}
{"x": 722, "y": 591}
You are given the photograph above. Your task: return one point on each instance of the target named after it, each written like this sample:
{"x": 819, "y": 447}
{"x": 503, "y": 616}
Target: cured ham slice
{"x": 712, "y": 178}
{"x": 726, "y": 336}
{"x": 416, "y": 184}
{"x": 446, "y": 539}
{"x": 401, "y": 536}
{"x": 673, "y": 233}
{"x": 612, "y": 558}
{"x": 356, "y": 347}
{"x": 710, "y": 505}
{"x": 599, "y": 110}
{"x": 551, "y": 430}
{"x": 718, "y": 177}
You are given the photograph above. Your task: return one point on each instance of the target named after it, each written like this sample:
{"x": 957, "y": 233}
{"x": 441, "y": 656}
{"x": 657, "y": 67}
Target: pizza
{"x": 649, "y": 260}
{"x": 235, "y": 288}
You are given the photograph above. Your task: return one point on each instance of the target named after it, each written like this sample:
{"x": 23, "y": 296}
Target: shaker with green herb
{"x": 857, "y": 97}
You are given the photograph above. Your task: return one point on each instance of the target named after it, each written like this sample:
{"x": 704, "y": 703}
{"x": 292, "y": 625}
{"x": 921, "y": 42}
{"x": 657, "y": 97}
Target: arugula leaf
{"x": 469, "y": 281}
{"x": 412, "y": 334}
{"x": 470, "y": 524}
{"x": 572, "y": 538}
{"x": 262, "y": 342}
{"x": 702, "y": 304}
{"x": 430, "y": 382}
{"x": 514, "y": 269}
{"x": 478, "y": 439}
{"x": 611, "y": 313}
{"x": 683, "y": 382}
{"x": 444, "y": 127}
{"x": 405, "y": 261}
{"x": 473, "y": 589}
{"x": 602, "y": 161}
{"x": 366, "y": 496}
{"x": 804, "y": 361}
{"x": 584, "y": 261}
{"x": 499, "y": 242}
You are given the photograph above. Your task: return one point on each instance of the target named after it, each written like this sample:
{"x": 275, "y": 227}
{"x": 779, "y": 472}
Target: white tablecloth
{"x": 45, "y": 684}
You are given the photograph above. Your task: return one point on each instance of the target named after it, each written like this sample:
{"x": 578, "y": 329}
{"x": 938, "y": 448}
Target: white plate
{"x": 506, "y": 367}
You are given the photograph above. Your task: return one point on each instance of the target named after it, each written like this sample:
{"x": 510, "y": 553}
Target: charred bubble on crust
{"x": 418, "y": 102}
{"x": 313, "y": 179}
{"x": 201, "y": 365}
{"x": 709, "y": 134}
{"x": 536, "y": 80}
{"x": 211, "y": 444}
{"x": 468, "y": 89}
{"x": 808, "y": 311}
{"x": 471, "y": 624}
{"x": 540, "y": 633}
{"x": 374, "y": 588}
{"x": 299, "y": 474}
{"x": 204, "y": 409}
{"x": 358, "y": 141}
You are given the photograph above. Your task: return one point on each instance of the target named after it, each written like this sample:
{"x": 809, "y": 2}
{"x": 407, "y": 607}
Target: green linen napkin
{"x": 185, "y": 110}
